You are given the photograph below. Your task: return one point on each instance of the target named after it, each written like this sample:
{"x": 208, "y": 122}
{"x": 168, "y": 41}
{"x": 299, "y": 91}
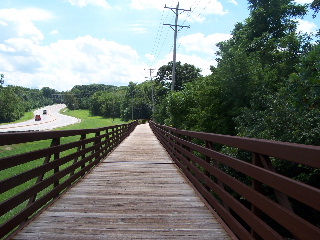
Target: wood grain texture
{"x": 135, "y": 193}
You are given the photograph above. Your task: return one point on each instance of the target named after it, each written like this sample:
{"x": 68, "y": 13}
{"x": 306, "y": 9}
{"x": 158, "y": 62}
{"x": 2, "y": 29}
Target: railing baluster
{"x": 257, "y": 186}
{"x": 83, "y": 137}
{"x": 54, "y": 142}
{"x": 56, "y": 156}
{"x": 96, "y": 149}
{"x": 281, "y": 197}
{"x": 215, "y": 163}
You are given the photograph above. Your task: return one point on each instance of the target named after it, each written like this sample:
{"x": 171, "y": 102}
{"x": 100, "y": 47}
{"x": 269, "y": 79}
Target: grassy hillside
{"x": 87, "y": 121}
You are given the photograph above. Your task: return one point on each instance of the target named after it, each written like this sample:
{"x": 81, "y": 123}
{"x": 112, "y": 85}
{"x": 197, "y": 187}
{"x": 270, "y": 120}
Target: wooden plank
{"x": 135, "y": 193}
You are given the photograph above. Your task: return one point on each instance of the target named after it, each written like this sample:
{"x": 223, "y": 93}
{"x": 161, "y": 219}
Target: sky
{"x": 63, "y": 43}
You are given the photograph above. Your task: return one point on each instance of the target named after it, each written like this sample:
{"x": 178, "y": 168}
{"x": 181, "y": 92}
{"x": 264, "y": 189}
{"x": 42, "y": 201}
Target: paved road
{"x": 53, "y": 119}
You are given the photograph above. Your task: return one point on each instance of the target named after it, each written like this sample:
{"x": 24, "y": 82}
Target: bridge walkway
{"x": 137, "y": 192}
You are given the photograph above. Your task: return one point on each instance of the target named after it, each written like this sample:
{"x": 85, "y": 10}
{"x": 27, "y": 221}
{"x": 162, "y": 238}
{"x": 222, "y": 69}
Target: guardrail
{"x": 254, "y": 200}
{"x": 30, "y": 181}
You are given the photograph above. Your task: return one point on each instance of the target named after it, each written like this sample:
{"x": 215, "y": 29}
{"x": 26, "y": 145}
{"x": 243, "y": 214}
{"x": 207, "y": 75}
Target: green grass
{"x": 27, "y": 116}
{"x": 88, "y": 121}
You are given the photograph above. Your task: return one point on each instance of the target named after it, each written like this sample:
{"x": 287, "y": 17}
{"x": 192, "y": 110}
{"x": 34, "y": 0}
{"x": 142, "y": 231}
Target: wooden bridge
{"x": 142, "y": 190}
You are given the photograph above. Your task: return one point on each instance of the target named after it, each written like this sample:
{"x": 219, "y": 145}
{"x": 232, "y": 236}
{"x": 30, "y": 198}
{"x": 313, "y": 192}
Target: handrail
{"x": 254, "y": 200}
{"x": 41, "y": 176}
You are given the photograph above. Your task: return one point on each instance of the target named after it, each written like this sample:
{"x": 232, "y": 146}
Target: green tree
{"x": 184, "y": 73}
{"x": 257, "y": 61}
{"x": 127, "y": 107}
{"x": 199, "y": 106}
{"x": 274, "y": 17}
{"x": 108, "y": 102}
{"x": 71, "y": 100}
{"x": 85, "y": 92}
{"x": 137, "y": 103}
{"x": 292, "y": 113}
{"x": 315, "y": 5}
{"x": 12, "y": 106}
{"x": 46, "y": 91}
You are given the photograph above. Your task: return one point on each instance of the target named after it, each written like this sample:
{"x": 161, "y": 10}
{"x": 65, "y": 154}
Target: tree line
{"x": 15, "y": 101}
{"x": 265, "y": 84}
{"x": 135, "y": 101}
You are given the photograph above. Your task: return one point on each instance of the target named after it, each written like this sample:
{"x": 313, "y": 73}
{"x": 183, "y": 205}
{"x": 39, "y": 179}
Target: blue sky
{"x": 62, "y": 43}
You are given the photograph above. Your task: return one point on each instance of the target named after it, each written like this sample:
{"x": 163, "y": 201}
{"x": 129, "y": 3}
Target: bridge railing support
{"x": 254, "y": 199}
{"x": 30, "y": 181}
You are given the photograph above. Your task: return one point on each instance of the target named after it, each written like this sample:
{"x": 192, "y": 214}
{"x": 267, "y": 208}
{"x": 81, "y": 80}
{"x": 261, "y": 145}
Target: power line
{"x": 162, "y": 36}
{"x": 175, "y": 29}
{"x": 158, "y": 36}
{"x": 152, "y": 90}
{"x": 157, "y": 47}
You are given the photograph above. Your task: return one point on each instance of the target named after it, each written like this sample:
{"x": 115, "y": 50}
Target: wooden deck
{"x": 135, "y": 193}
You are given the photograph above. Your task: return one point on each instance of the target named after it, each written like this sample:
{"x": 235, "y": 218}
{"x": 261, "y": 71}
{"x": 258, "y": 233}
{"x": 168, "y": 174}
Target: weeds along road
{"x": 53, "y": 119}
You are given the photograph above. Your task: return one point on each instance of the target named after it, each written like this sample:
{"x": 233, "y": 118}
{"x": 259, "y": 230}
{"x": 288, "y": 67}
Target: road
{"x": 53, "y": 119}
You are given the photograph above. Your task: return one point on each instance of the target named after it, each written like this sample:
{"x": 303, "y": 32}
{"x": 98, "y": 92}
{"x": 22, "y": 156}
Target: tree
{"x": 274, "y": 17}
{"x": 107, "y": 103}
{"x": 12, "y": 106}
{"x": 137, "y": 103}
{"x": 85, "y": 92}
{"x": 184, "y": 73}
{"x": 255, "y": 64}
{"x": 315, "y": 5}
{"x": 128, "y": 112}
{"x": 71, "y": 101}
{"x": 46, "y": 91}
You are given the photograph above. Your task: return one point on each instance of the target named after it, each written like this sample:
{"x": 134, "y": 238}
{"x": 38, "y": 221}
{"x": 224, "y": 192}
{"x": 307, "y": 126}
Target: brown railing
{"x": 253, "y": 199}
{"x": 30, "y": 181}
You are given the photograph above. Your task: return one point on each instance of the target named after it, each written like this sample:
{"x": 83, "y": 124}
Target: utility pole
{"x": 152, "y": 89}
{"x": 1, "y": 79}
{"x": 175, "y": 29}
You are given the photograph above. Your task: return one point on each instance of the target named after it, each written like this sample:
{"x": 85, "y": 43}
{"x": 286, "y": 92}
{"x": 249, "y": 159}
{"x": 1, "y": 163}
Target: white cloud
{"x": 3, "y": 23}
{"x": 234, "y": 2}
{"x": 25, "y": 61}
{"x": 15, "y": 24}
{"x": 200, "y": 51}
{"x": 148, "y": 4}
{"x": 36, "y": 14}
{"x": 198, "y": 11}
{"x": 200, "y": 43}
{"x": 22, "y": 55}
{"x": 202, "y": 10}
{"x": 5, "y": 48}
{"x": 306, "y": 26}
{"x": 66, "y": 63}
{"x": 303, "y": 1}
{"x": 53, "y": 32}
{"x": 84, "y": 3}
